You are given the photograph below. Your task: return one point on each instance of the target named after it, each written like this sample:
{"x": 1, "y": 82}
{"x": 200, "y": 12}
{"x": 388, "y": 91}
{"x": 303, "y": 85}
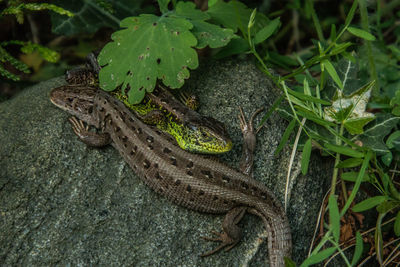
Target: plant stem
{"x": 337, "y": 160}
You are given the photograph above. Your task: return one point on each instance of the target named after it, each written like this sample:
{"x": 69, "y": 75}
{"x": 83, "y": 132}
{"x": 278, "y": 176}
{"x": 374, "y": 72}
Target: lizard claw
{"x": 226, "y": 242}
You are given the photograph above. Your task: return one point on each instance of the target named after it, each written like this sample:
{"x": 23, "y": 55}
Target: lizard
{"x": 191, "y": 180}
{"x": 192, "y": 131}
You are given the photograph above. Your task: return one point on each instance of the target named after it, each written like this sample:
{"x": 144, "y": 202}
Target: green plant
{"x": 343, "y": 96}
{"x": 18, "y": 9}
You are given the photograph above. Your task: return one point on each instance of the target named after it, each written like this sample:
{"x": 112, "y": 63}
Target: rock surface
{"x": 62, "y": 202}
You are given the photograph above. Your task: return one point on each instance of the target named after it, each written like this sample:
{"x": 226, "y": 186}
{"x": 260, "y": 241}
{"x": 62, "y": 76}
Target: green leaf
{"x": 387, "y": 158}
{"x": 395, "y": 103}
{"x": 357, "y": 184}
{"x": 350, "y": 110}
{"x": 387, "y": 206}
{"x": 234, "y": 15}
{"x": 349, "y": 163}
{"x": 267, "y": 31}
{"x": 396, "y": 226}
{"x": 393, "y": 140}
{"x": 305, "y": 158}
{"x": 286, "y": 136}
{"x": 358, "y": 250}
{"x": 318, "y": 257}
{"x": 332, "y": 72}
{"x": 289, "y": 262}
{"x": 206, "y": 33}
{"x": 356, "y": 125}
{"x": 350, "y": 16}
{"x": 334, "y": 218}
{"x": 369, "y": 203}
{"x": 393, "y": 191}
{"x": 344, "y": 150}
{"x": 361, "y": 33}
{"x": 236, "y": 46}
{"x": 352, "y": 177}
{"x": 339, "y": 48}
{"x": 136, "y": 59}
{"x": 374, "y": 136}
{"x": 210, "y": 34}
{"x": 308, "y": 97}
{"x": 91, "y": 15}
{"x": 163, "y": 4}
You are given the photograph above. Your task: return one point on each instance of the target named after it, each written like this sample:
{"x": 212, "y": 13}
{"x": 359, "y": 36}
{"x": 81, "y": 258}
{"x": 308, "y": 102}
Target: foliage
{"x": 17, "y": 9}
{"x": 91, "y": 15}
{"x": 334, "y": 109}
{"x": 136, "y": 59}
{"x": 342, "y": 91}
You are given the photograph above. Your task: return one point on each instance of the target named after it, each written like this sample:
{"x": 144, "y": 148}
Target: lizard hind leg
{"x": 231, "y": 234}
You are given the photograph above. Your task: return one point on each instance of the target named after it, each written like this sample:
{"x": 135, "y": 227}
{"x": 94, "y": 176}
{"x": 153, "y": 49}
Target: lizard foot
{"x": 226, "y": 242}
{"x": 89, "y": 138}
{"x": 249, "y": 141}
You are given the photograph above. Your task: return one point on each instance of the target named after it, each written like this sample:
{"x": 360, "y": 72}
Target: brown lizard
{"x": 190, "y": 180}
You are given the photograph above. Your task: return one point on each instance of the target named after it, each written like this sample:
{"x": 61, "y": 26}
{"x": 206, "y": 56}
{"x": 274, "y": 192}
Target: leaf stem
{"x": 337, "y": 160}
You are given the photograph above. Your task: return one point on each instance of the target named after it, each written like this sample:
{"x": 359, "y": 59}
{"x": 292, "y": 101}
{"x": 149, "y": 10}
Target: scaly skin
{"x": 189, "y": 180}
{"x": 192, "y": 132}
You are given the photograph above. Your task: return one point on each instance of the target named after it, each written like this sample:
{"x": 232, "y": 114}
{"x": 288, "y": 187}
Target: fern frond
{"x": 18, "y": 10}
{"x": 29, "y": 47}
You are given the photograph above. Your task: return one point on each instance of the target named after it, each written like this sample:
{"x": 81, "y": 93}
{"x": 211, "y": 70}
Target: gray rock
{"x": 62, "y": 202}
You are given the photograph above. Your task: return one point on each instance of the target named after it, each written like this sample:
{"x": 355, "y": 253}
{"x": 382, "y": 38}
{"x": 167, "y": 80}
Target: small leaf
{"x": 369, "y": 203}
{"x": 334, "y": 218}
{"x": 358, "y": 250}
{"x": 349, "y": 163}
{"x": 344, "y": 150}
{"x": 332, "y": 72}
{"x": 318, "y": 257}
{"x": 387, "y": 206}
{"x": 361, "y": 33}
{"x": 374, "y": 136}
{"x": 163, "y": 4}
{"x": 396, "y": 226}
{"x": 305, "y": 158}
{"x": 308, "y": 97}
{"x": 267, "y": 31}
{"x": 352, "y": 177}
{"x": 356, "y": 125}
{"x": 252, "y": 18}
{"x": 387, "y": 158}
{"x": 350, "y": 16}
{"x": 289, "y": 262}
{"x": 285, "y": 136}
{"x": 392, "y": 137}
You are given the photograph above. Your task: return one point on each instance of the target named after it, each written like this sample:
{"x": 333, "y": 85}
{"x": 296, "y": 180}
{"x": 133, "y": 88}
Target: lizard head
{"x": 76, "y": 100}
{"x": 203, "y": 135}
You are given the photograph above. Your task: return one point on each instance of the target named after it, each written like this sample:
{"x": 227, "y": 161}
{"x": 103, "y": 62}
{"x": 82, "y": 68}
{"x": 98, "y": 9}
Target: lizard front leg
{"x": 87, "y": 137}
{"x": 232, "y": 233}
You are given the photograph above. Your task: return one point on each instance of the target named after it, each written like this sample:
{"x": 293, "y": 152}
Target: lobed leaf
{"x": 135, "y": 59}
{"x": 206, "y": 33}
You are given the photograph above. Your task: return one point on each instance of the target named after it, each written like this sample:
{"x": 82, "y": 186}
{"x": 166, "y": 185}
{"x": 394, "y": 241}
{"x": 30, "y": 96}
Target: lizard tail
{"x": 279, "y": 236}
